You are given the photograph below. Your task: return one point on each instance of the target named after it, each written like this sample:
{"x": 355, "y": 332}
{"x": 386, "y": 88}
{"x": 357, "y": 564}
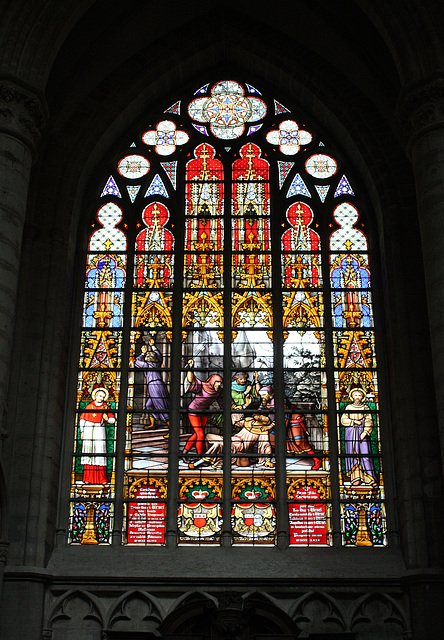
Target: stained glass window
{"x": 227, "y": 389}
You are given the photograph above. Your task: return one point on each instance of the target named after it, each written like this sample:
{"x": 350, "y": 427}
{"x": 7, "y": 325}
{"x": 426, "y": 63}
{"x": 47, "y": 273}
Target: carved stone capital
{"x": 421, "y": 107}
{"x": 229, "y": 619}
{"x": 22, "y": 112}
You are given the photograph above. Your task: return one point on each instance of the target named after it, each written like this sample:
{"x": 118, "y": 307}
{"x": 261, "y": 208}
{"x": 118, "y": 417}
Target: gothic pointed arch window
{"x": 227, "y": 390}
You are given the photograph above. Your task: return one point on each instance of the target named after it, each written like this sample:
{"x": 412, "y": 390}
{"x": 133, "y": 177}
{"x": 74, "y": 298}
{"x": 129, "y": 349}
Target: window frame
{"x": 281, "y": 203}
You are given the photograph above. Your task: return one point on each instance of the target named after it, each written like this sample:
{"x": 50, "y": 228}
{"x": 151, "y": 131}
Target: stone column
{"x": 3, "y": 516}
{"x": 22, "y": 115}
{"x": 421, "y": 111}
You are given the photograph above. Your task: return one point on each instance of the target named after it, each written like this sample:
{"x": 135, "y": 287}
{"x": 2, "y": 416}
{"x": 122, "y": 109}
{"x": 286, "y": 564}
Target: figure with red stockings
{"x": 93, "y": 433}
{"x": 297, "y": 438}
{"x": 205, "y": 393}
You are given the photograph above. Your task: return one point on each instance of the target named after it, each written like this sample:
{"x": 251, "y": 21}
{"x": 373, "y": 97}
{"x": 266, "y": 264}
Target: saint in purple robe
{"x": 357, "y": 429}
{"x": 158, "y": 402}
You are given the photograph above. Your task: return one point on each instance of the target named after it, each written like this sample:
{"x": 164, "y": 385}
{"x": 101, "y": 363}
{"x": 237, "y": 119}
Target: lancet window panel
{"x": 227, "y": 389}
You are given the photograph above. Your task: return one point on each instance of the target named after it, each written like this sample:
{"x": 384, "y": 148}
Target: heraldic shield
{"x": 200, "y": 520}
{"x": 252, "y": 521}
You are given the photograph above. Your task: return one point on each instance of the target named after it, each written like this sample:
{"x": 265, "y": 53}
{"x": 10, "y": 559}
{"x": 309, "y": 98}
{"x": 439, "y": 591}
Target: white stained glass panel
{"x": 133, "y": 166}
{"x": 109, "y": 238}
{"x": 321, "y": 166}
{"x": 347, "y": 237}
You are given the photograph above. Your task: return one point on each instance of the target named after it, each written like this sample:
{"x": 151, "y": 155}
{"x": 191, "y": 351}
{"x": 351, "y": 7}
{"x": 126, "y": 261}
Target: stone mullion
{"x": 278, "y": 371}
{"x": 120, "y": 440}
{"x": 226, "y": 537}
{"x": 176, "y": 364}
{"x": 333, "y": 443}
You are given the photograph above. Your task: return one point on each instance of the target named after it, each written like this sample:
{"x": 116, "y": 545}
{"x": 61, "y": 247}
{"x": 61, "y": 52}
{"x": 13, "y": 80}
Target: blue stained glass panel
{"x": 298, "y": 188}
{"x": 170, "y": 169}
{"x": 254, "y": 129}
{"x": 156, "y": 188}
{"x": 252, "y": 89}
{"x": 111, "y": 189}
{"x": 203, "y": 89}
{"x": 344, "y": 188}
{"x": 201, "y": 129}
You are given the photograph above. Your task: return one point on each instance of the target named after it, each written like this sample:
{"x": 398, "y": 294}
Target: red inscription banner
{"x": 146, "y": 520}
{"x": 308, "y": 522}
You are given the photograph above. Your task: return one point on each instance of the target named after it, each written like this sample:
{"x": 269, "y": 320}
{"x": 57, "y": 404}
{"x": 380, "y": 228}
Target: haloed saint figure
{"x": 92, "y": 425}
{"x": 358, "y": 428}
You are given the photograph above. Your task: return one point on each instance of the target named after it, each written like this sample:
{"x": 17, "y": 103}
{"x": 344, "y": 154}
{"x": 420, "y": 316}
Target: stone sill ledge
{"x": 82, "y": 563}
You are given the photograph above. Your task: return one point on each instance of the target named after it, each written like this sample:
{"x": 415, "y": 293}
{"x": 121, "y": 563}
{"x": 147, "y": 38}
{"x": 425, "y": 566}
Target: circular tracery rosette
{"x": 165, "y": 138}
{"x": 289, "y": 137}
{"x": 227, "y": 110}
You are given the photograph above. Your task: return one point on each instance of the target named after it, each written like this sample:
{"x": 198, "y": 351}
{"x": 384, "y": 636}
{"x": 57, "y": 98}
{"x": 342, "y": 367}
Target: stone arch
{"x": 382, "y": 612}
{"x": 263, "y": 595}
{"x": 318, "y": 612}
{"x": 186, "y": 607}
{"x": 134, "y": 611}
{"x": 103, "y": 114}
{"x": 270, "y": 614}
{"x": 400, "y": 29}
{"x": 74, "y": 614}
{"x": 228, "y": 614}
{"x": 102, "y": 122}
{"x": 26, "y": 52}
{"x": 30, "y": 54}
